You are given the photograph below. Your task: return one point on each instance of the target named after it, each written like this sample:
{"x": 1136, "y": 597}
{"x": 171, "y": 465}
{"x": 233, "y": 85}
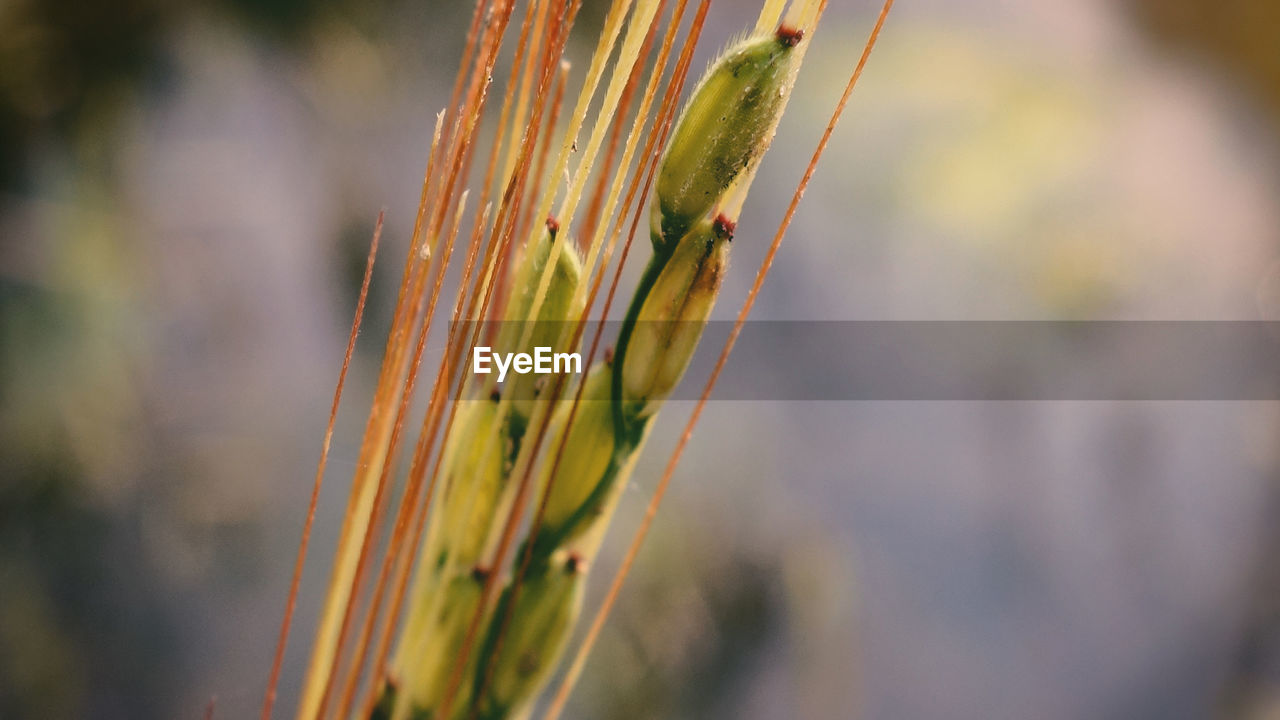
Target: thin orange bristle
{"x": 596, "y": 205}
{"x": 540, "y": 167}
{"x": 291, "y": 604}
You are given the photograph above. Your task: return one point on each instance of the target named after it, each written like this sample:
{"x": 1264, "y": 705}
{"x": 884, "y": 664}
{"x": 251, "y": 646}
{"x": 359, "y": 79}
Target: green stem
{"x": 623, "y": 418}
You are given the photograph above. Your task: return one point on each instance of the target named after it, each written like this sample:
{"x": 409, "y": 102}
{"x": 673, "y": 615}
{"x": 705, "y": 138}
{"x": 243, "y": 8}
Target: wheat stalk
{"x": 724, "y": 130}
{"x": 479, "y": 641}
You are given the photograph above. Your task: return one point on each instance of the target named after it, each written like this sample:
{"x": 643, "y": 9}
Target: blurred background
{"x": 186, "y": 194}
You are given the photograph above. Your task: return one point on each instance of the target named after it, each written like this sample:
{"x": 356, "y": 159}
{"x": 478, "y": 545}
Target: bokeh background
{"x": 186, "y": 194}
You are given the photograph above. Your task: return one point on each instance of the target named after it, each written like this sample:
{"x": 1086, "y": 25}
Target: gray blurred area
{"x": 186, "y": 195}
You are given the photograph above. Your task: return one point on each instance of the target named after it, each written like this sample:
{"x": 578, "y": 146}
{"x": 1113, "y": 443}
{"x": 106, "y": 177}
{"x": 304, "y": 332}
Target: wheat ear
{"x": 722, "y": 134}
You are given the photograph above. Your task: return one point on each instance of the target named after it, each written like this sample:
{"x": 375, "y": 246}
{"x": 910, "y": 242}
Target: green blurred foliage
{"x": 82, "y": 631}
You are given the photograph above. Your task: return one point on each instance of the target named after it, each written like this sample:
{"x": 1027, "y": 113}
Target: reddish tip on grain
{"x": 608, "y": 356}
{"x": 789, "y": 36}
{"x": 479, "y": 574}
{"x": 575, "y": 564}
{"x": 553, "y": 225}
{"x": 495, "y": 395}
{"x": 724, "y": 227}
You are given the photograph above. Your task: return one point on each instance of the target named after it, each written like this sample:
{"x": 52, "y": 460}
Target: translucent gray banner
{"x": 998, "y": 360}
